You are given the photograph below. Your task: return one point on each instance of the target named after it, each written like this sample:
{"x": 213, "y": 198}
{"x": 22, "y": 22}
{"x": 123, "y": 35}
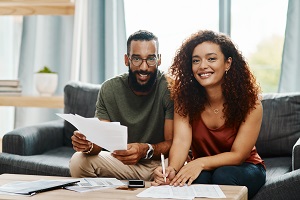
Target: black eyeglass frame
{"x": 145, "y": 59}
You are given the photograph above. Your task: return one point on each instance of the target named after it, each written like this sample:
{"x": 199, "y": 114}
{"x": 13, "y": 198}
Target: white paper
{"x": 104, "y": 182}
{"x": 29, "y": 188}
{"x": 93, "y": 184}
{"x": 77, "y": 188}
{"x": 184, "y": 192}
{"x": 210, "y": 191}
{"x": 10, "y": 185}
{"x": 109, "y": 135}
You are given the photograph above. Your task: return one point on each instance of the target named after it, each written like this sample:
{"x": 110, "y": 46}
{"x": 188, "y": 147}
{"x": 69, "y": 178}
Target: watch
{"x": 150, "y": 152}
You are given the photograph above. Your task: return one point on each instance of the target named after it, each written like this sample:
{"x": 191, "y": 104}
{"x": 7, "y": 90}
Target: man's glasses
{"x": 137, "y": 61}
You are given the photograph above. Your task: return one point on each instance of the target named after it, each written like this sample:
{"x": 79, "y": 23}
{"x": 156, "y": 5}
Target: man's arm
{"x": 164, "y": 147}
{"x": 138, "y": 151}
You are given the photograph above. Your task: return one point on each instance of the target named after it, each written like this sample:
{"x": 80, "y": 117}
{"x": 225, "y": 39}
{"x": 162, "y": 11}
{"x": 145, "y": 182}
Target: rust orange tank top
{"x": 208, "y": 142}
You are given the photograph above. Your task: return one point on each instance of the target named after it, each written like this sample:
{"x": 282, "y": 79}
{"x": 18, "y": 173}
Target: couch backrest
{"x": 79, "y": 98}
{"x": 281, "y": 124}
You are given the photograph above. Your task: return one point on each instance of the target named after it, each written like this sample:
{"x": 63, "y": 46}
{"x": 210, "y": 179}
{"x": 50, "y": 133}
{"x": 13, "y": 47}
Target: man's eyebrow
{"x": 135, "y": 55}
{"x": 138, "y": 55}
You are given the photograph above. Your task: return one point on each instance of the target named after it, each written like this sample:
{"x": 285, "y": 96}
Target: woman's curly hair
{"x": 239, "y": 87}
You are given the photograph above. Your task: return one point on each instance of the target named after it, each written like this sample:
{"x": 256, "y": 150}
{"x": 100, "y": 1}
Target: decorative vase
{"x": 45, "y": 83}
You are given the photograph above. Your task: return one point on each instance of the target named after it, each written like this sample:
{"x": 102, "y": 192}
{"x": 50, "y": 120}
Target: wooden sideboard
{"x": 33, "y": 101}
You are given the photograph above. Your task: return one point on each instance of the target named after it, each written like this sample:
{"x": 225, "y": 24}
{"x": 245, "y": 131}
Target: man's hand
{"x": 79, "y": 142}
{"x": 134, "y": 152}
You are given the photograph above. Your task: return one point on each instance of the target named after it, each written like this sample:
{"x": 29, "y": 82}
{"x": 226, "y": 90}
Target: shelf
{"x": 32, "y": 101}
{"x": 35, "y": 8}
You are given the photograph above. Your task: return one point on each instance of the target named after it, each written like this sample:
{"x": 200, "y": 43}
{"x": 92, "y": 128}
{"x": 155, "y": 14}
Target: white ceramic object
{"x": 45, "y": 83}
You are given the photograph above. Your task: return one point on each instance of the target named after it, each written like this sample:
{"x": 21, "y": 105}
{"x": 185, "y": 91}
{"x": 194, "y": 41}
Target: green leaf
{"x": 46, "y": 69}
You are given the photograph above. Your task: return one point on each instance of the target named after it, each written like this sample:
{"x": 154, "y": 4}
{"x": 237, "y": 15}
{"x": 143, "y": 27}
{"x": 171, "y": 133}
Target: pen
{"x": 163, "y": 166}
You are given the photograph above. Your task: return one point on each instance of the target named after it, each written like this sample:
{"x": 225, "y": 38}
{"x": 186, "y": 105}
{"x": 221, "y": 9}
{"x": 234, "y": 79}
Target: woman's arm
{"x": 240, "y": 151}
{"x": 181, "y": 142}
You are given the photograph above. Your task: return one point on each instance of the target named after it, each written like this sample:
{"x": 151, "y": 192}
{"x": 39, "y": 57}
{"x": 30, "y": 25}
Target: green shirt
{"x": 143, "y": 115}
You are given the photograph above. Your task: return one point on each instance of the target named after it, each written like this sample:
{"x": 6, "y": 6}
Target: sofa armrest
{"x": 296, "y": 155}
{"x": 280, "y": 187}
{"x": 36, "y": 139}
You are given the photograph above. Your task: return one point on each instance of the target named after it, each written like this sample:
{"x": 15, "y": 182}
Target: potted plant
{"x": 46, "y": 81}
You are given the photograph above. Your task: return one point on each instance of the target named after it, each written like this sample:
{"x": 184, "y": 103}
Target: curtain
{"x": 45, "y": 40}
{"x": 225, "y": 16}
{"x": 290, "y": 67}
{"x": 103, "y": 40}
{"x": 48, "y": 40}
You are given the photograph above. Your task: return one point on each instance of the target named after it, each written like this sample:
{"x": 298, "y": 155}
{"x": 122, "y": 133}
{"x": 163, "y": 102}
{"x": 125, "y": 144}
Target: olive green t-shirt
{"x": 143, "y": 115}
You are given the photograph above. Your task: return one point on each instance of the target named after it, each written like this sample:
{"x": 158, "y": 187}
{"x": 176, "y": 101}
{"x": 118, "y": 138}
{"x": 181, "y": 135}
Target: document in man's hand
{"x": 109, "y": 135}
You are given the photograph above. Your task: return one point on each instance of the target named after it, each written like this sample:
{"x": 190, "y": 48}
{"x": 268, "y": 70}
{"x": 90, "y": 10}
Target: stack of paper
{"x": 79, "y": 185}
{"x": 93, "y": 184}
{"x": 33, "y": 187}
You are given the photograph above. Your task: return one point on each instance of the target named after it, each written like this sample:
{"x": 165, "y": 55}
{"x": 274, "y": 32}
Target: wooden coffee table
{"x": 231, "y": 192}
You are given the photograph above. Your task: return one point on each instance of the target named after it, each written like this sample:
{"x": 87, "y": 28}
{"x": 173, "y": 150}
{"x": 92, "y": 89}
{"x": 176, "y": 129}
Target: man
{"x": 139, "y": 100}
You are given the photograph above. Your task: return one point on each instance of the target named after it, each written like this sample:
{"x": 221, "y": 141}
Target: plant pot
{"x": 45, "y": 83}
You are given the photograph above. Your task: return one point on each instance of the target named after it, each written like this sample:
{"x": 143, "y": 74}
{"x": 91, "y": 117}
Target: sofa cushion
{"x": 277, "y": 166}
{"x": 280, "y": 127}
{"x": 51, "y": 163}
{"x": 79, "y": 98}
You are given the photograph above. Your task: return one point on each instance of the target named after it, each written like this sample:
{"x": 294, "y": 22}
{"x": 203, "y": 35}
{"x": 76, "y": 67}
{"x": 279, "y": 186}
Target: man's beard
{"x": 144, "y": 87}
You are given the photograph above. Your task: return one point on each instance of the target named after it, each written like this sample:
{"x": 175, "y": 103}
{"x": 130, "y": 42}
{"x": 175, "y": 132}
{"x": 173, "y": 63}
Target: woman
{"x": 218, "y": 115}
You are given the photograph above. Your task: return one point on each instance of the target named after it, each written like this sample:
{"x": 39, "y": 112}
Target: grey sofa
{"x": 279, "y": 145}
{"x": 45, "y": 149}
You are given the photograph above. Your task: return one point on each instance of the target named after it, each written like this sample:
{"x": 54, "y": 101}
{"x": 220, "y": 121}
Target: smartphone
{"x": 136, "y": 184}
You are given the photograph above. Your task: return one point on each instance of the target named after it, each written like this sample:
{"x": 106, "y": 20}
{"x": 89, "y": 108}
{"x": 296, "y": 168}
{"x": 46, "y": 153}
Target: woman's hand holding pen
{"x": 159, "y": 176}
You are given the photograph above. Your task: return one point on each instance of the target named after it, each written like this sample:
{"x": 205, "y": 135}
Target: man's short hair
{"x": 141, "y": 35}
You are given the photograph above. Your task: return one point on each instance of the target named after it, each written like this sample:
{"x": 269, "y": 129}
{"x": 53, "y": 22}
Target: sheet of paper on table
{"x": 109, "y": 135}
{"x": 104, "y": 182}
{"x": 93, "y": 184}
{"x": 184, "y": 192}
{"x": 33, "y": 187}
{"x": 83, "y": 185}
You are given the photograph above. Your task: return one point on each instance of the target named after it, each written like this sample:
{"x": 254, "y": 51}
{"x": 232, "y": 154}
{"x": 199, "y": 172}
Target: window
{"x": 258, "y": 28}
{"x": 171, "y": 21}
